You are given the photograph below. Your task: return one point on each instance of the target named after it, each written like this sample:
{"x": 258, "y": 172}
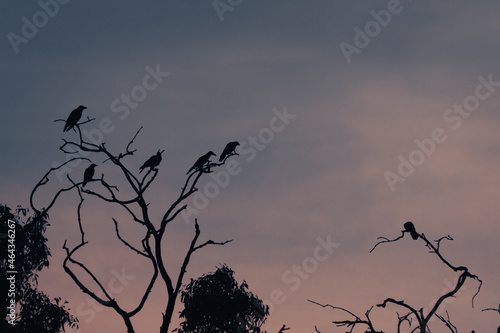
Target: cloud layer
{"x": 321, "y": 175}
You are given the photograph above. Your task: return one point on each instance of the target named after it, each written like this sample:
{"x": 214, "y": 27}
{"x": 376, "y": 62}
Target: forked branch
{"x": 422, "y": 318}
{"x": 350, "y": 323}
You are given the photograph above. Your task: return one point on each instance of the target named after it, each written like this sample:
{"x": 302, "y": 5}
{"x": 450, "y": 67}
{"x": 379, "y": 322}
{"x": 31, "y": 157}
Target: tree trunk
{"x": 167, "y": 317}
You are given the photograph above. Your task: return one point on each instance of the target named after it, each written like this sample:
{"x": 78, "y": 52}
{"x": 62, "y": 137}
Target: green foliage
{"x": 28, "y": 255}
{"x": 216, "y": 303}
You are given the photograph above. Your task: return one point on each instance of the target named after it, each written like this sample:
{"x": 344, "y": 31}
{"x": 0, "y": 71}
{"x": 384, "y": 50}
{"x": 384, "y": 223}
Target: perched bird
{"x": 88, "y": 174}
{"x": 152, "y": 162}
{"x": 229, "y": 150}
{"x": 74, "y": 117}
{"x": 409, "y": 227}
{"x": 201, "y": 161}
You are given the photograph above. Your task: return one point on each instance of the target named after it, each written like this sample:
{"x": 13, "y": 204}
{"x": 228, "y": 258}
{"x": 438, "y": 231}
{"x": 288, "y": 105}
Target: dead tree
{"x": 138, "y": 209}
{"x": 411, "y": 313}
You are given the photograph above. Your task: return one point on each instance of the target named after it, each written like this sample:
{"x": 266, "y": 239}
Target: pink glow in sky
{"x": 318, "y": 176}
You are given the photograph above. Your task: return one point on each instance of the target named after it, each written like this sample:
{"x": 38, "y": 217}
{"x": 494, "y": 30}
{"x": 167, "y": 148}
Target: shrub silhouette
{"x": 216, "y": 303}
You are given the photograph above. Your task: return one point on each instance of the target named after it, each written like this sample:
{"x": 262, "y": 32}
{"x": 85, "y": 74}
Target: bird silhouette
{"x": 201, "y": 161}
{"x": 152, "y": 162}
{"x": 409, "y": 227}
{"x": 229, "y": 150}
{"x": 74, "y": 117}
{"x": 88, "y": 174}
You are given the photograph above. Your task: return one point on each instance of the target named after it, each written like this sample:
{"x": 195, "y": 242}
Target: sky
{"x": 353, "y": 117}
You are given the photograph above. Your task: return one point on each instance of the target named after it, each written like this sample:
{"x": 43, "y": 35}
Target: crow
{"x": 88, "y": 174}
{"x": 229, "y": 150}
{"x": 74, "y": 117}
{"x": 409, "y": 227}
{"x": 152, "y": 162}
{"x": 201, "y": 161}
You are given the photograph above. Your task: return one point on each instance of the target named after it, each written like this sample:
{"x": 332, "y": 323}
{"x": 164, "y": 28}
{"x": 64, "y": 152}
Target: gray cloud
{"x": 322, "y": 175}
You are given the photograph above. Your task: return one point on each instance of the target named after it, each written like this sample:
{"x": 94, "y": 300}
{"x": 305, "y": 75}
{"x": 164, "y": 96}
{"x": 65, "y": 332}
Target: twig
{"x": 125, "y": 242}
{"x": 387, "y": 240}
{"x": 447, "y": 322}
{"x": 283, "y": 329}
{"x": 350, "y": 323}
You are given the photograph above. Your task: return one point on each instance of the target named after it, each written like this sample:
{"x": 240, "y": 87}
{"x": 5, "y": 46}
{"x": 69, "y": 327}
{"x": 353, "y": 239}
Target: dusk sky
{"x": 353, "y": 117}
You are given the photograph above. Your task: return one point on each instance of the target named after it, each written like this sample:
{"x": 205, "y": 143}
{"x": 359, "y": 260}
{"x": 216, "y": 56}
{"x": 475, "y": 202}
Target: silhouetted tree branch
{"x": 495, "y": 310}
{"x": 350, "y": 323}
{"x": 447, "y": 322}
{"x": 492, "y": 309}
{"x": 137, "y": 207}
{"x": 402, "y": 319}
{"x": 421, "y": 317}
{"x": 283, "y": 329}
{"x": 386, "y": 240}
{"x": 45, "y": 180}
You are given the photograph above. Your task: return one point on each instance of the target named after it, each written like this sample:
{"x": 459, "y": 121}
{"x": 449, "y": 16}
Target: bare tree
{"x": 412, "y": 313}
{"x": 138, "y": 209}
